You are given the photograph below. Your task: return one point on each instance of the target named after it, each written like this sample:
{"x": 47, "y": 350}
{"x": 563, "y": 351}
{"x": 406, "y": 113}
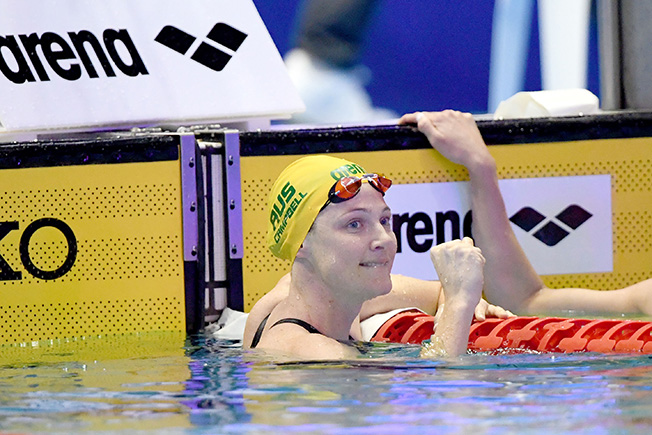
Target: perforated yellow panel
{"x": 629, "y": 161}
{"x": 91, "y": 250}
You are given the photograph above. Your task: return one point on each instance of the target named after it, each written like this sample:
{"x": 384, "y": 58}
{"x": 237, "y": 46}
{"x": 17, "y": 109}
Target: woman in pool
{"x": 328, "y": 216}
{"x": 510, "y": 279}
{"x": 458, "y": 137}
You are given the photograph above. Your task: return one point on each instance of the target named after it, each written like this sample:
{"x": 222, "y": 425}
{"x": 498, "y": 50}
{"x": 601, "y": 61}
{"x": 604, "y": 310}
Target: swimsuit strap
{"x": 305, "y": 325}
{"x": 259, "y": 331}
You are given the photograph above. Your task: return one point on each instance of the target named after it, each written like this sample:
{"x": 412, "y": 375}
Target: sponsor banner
{"x": 101, "y": 254}
{"x": 564, "y": 224}
{"x": 73, "y": 64}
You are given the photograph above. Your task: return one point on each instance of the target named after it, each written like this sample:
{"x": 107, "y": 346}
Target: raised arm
{"x": 509, "y": 279}
{"x": 459, "y": 266}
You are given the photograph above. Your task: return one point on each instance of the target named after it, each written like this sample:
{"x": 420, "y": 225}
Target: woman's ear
{"x": 305, "y": 246}
{"x": 301, "y": 253}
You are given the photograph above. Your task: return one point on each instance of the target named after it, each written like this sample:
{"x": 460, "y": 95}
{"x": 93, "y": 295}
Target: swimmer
{"x": 328, "y": 216}
{"x": 509, "y": 279}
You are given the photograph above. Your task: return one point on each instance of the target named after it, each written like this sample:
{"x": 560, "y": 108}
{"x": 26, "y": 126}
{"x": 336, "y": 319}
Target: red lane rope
{"x": 544, "y": 334}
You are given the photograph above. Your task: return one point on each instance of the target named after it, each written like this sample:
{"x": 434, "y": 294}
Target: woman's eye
{"x": 385, "y": 221}
{"x": 354, "y": 224}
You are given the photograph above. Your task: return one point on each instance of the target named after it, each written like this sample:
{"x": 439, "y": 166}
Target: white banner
{"x": 120, "y": 62}
{"x": 564, "y": 224}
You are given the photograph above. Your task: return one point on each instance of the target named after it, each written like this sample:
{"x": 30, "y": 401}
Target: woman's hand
{"x": 454, "y": 134}
{"x": 459, "y": 265}
{"x": 486, "y": 310}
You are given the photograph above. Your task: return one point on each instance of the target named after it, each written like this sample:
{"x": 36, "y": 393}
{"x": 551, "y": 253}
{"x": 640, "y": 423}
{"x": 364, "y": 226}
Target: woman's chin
{"x": 384, "y": 286}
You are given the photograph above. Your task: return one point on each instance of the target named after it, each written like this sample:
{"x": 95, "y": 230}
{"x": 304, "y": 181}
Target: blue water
{"x": 206, "y": 386}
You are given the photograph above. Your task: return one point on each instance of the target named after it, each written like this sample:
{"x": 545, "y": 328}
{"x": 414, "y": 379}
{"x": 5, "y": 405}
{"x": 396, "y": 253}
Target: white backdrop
{"x": 175, "y": 88}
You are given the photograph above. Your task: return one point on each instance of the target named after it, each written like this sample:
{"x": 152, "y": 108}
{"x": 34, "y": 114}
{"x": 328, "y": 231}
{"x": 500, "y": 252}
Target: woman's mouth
{"x": 374, "y": 264}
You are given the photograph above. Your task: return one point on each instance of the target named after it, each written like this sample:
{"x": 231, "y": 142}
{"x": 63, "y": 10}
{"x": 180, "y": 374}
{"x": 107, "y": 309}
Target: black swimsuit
{"x": 305, "y": 325}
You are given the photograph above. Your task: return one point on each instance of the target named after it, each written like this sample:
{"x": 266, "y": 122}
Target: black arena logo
{"x": 422, "y": 232}
{"x": 550, "y": 233}
{"x": 206, "y": 54}
{"x": 8, "y": 274}
{"x": 69, "y": 57}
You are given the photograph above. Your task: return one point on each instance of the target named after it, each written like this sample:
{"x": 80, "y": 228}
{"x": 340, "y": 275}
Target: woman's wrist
{"x": 461, "y": 304}
{"x": 482, "y": 165}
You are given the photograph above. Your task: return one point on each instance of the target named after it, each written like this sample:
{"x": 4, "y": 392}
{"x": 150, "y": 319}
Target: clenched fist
{"x": 459, "y": 265}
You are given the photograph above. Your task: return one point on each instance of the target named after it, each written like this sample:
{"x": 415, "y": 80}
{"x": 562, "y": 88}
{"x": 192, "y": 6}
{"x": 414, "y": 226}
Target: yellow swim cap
{"x": 296, "y": 198}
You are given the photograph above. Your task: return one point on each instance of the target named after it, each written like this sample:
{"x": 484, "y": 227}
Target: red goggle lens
{"x": 348, "y": 187}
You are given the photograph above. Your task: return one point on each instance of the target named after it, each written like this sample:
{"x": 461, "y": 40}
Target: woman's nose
{"x": 384, "y": 238}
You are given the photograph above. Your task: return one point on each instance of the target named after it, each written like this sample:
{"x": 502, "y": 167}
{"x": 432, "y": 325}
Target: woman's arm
{"x": 406, "y": 292}
{"x": 459, "y": 266}
{"x": 510, "y": 280}
{"x": 634, "y": 299}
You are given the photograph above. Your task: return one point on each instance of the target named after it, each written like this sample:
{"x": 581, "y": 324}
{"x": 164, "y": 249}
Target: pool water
{"x": 173, "y": 384}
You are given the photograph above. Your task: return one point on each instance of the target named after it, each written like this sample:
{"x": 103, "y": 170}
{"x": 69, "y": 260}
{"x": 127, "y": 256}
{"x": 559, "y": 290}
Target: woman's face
{"x": 351, "y": 245}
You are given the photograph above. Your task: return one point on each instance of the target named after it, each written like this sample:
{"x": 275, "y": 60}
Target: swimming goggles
{"x": 347, "y": 187}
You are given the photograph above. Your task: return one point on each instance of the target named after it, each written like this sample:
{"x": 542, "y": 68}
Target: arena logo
{"x": 8, "y": 274}
{"x": 23, "y": 58}
{"x": 420, "y": 224}
{"x": 60, "y": 55}
{"x": 206, "y": 54}
{"x": 550, "y": 233}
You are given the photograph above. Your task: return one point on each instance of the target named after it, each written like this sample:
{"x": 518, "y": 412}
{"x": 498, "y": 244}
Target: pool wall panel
{"x": 93, "y": 240}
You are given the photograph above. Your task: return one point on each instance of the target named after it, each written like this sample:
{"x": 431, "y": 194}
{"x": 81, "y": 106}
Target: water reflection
{"x": 209, "y": 386}
{"x": 99, "y": 384}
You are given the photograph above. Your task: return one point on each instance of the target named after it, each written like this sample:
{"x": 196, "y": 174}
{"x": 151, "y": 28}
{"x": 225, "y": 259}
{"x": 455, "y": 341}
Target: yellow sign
{"x": 90, "y": 250}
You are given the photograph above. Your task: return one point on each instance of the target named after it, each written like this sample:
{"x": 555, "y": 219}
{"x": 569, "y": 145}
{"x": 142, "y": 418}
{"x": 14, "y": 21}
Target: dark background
{"x": 428, "y": 54}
